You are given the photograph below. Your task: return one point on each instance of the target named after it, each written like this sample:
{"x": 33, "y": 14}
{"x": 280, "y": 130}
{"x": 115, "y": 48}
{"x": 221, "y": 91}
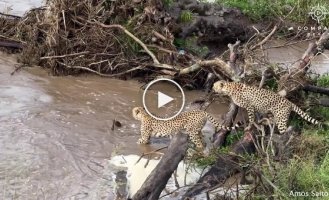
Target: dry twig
{"x": 265, "y": 39}
{"x": 155, "y": 60}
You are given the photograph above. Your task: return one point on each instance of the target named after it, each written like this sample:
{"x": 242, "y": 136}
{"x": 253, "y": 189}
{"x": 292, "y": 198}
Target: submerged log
{"x": 157, "y": 180}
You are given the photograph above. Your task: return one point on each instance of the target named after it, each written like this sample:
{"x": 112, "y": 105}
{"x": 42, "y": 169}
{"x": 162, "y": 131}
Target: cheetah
{"x": 191, "y": 121}
{"x": 262, "y": 100}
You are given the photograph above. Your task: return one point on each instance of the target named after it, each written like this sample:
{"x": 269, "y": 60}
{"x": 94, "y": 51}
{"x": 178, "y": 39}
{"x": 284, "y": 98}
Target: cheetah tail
{"x": 304, "y": 115}
{"x": 219, "y": 126}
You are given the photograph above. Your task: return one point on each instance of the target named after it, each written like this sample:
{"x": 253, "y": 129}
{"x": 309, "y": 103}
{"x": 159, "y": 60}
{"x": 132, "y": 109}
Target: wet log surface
{"x": 225, "y": 166}
{"x": 220, "y": 137}
{"x": 157, "y": 180}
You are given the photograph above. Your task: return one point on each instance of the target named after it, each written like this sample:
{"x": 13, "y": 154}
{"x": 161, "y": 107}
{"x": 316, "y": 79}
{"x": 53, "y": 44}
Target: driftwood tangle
{"x": 223, "y": 168}
{"x": 226, "y": 165}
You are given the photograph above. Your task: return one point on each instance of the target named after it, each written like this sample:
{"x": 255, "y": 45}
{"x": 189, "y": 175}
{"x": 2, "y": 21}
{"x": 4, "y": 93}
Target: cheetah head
{"x": 220, "y": 87}
{"x": 138, "y": 113}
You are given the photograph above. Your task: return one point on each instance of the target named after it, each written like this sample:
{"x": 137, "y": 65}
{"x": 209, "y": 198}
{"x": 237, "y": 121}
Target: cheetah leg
{"x": 145, "y": 135}
{"x": 251, "y": 114}
{"x": 197, "y": 140}
{"x": 281, "y": 118}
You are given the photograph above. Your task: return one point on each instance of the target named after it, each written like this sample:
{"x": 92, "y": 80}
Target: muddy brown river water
{"x": 56, "y": 140}
{"x": 55, "y": 132}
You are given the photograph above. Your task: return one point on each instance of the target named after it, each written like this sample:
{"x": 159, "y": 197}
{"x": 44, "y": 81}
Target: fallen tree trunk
{"x": 157, "y": 180}
{"x": 316, "y": 89}
{"x": 220, "y": 137}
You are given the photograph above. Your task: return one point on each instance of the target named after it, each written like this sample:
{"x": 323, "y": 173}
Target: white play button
{"x": 163, "y": 99}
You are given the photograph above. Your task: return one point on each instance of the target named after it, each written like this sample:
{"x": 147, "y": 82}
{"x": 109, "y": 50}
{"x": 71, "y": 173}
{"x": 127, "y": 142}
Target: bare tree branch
{"x": 155, "y": 60}
{"x": 296, "y": 78}
{"x": 265, "y": 39}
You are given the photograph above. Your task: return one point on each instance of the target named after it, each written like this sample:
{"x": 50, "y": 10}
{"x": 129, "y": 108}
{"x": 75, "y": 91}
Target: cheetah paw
{"x": 141, "y": 141}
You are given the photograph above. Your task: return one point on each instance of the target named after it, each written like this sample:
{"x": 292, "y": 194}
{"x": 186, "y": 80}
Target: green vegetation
{"x": 317, "y": 112}
{"x": 234, "y": 137}
{"x": 307, "y": 171}
{"x": 186, "y": 16}
{"x": 168, "y": 3}
{"x": 303, "y": 167}
{"x": 191, "y": 44}
{"x": 320, "y": 111}
{"x": 272, "y": 84}
{"x": 295, "y": 10}
{"x": 211, "y": 159}
{"x": 206, "y": 161}
{"x": 323, "y": 81}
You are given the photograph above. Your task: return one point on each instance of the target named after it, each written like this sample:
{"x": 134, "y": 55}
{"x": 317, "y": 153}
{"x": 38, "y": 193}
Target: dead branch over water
{"x": 296, "y": 78}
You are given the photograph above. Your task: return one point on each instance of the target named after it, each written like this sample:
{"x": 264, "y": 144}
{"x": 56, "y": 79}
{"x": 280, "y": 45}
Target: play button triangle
{"x": 163, "y": 99}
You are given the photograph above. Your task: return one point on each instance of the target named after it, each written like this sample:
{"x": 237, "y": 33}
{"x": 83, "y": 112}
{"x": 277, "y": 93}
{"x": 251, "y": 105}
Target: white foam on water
{"x": 18, "y": 7}
{"x": 137, "y": 172}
